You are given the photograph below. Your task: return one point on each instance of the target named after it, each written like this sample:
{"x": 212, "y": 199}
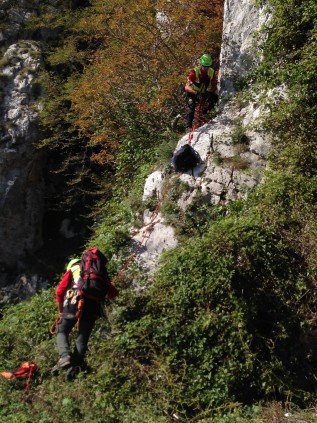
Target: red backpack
{"x": 94, "y": 280}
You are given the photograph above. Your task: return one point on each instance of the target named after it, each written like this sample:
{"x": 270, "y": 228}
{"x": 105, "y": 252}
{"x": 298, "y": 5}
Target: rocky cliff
{"x": 233, "y": 152}
{"x": 21, "y": 180}
{"x": 232, "y": 146}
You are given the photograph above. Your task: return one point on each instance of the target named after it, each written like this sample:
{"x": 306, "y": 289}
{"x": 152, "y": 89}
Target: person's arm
{"x": 62, "y": 289}
{"x": 60, "y": 308}
{"x": 190, "y": 83}
{"x": 189, "y": 89}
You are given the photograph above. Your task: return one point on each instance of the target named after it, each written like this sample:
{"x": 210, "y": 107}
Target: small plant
{"x": 217, "y": 158}
{"x": 239, "y": 136}
{"x": 241, "y": 148}
{"x": 166, "y": 149}
{"x": 28, "y": 70}
{"x": 198, "y": 216}
{"x": 4, "y": 61}
{"x": 236, "y": 162}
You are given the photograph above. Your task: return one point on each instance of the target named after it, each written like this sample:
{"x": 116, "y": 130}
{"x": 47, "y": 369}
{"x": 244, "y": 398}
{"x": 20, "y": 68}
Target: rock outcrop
{"x": 233, "y": 148}
{"x": 21, "y": 164}
{"x": 24, "y": 287}
{"x": 233, "y": 152}
{"x": 242, "y": 21}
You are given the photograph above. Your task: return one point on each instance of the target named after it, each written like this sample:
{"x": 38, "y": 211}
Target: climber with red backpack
{"x": 80, "y": 297}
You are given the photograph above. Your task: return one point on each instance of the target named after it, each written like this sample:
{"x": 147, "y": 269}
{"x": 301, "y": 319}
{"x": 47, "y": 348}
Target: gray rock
{"x": 218, "y": 178}
{"x": 153, "y": 185}
{"x": 23, "y": 288}
{"x": 21, "y": 180}
{"x": 152, "y": 240}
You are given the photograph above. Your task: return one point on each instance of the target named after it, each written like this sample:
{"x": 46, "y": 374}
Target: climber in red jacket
{"x": 201, "y": 87}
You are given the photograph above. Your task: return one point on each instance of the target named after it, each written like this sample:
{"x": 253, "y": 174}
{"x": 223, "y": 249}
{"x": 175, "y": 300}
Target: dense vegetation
{"x": 112, "y": 79}
{"x": 229, "y": 319}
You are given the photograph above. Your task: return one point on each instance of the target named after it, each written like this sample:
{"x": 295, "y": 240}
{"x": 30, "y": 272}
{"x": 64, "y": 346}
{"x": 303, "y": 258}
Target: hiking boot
{"x": 63, "y": 363}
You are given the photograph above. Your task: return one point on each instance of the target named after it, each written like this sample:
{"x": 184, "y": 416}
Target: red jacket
{"x": 210, "y": 84}
{"x": 63, "y": 286}
{"x": 67, "y": 281}
{"x": 203, "y": 77}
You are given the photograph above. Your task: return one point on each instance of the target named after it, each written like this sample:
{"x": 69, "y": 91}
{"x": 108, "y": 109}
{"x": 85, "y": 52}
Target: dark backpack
{"x": 94, "y": 280}
{"x": 186, "y": 158}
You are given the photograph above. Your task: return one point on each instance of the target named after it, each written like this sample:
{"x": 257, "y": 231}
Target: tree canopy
{"x": 116, "y": 74}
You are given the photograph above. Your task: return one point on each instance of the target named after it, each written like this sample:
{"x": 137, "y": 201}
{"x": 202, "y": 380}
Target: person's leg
{"x": 191, "y": 104}
{"x": 81, "y": 344}
{"x": 210, "y": 101}
{"x": 64, "y": 328}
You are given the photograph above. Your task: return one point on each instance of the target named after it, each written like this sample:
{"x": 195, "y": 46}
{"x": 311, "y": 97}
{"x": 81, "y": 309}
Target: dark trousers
{"x": 81, "y": 343}
{"x": 206, "y": 102}
{"x": 191, "y": 101}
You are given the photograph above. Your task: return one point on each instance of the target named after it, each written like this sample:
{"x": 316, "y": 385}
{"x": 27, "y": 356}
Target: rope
{"x": 31, "y": 371}
{"x": 197, "y": 121}
{"x": 149, "y": 226}
{"x": 54, "y": 325}
{"x": 155, "y": 213}
{"x": 79, "y": 313}
{"x": 148, "y": 230}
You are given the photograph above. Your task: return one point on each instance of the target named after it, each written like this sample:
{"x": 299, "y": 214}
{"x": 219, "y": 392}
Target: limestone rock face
{"x": 242, "y": 20}
{"x": 229, "y": 170}
{"x": 14, "y": 14}
{"x": 23, "y": 288}
{"x": 21, "y": 181}
{"x": 231, "y": 165}
{"x": 22, "y": 185}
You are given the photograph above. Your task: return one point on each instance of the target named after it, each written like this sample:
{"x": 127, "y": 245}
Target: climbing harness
{"x": 78, "y": 316}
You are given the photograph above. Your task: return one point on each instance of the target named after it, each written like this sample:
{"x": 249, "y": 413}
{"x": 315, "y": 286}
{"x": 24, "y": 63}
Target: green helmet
{"x": 72, "y": 262}
{"x": 206, "y": 60}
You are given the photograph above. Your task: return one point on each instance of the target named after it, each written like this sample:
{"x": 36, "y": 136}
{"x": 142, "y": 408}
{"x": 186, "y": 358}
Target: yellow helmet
{"x": 72, "y": 262}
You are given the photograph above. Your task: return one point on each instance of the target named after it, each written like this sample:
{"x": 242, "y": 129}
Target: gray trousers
{"x": 81, "y": 343}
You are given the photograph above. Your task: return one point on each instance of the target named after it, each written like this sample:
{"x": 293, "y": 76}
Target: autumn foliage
{"x": 117, "y": 73}
{"x": 146, "y": 48}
